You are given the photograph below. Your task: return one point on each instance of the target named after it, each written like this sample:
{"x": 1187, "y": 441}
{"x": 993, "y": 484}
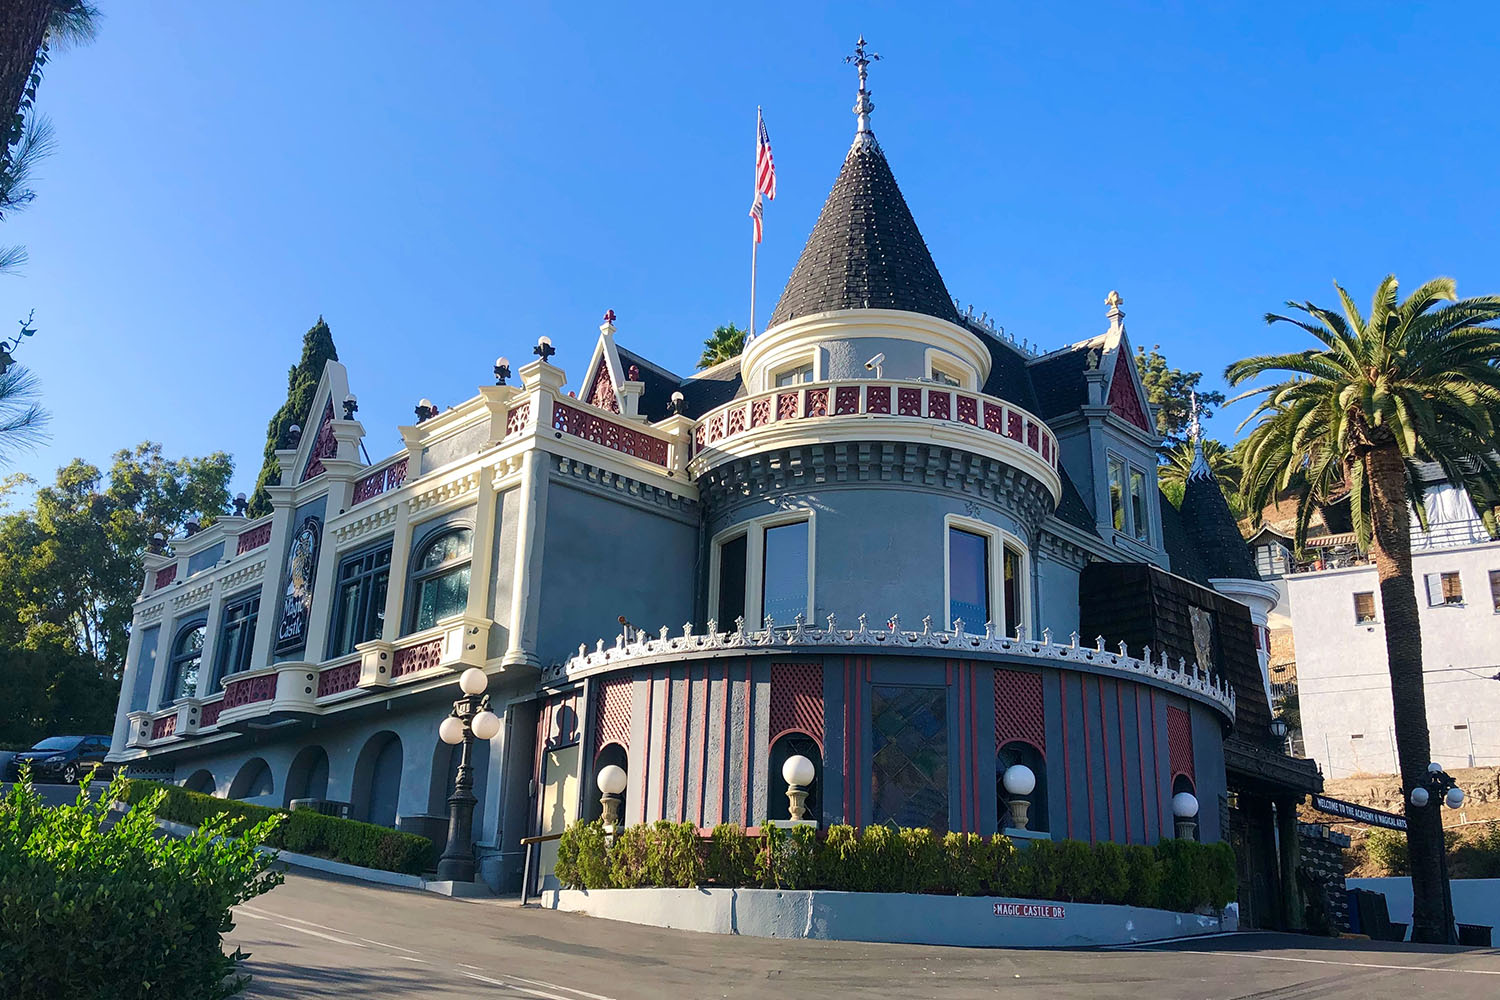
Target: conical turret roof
{"x": 866, "y": 251}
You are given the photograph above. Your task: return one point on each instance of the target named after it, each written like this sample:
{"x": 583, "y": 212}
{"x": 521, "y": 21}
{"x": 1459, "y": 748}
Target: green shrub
{"x": 731, "y": 857}
{"x": 302, "y": 831}
{"x": 924, "y": 870}
{"x": 1111, "y": 873}
{"x": 1077, "y": 878}
{"x": 672, "y": 858}
{"x": 1143, "y": 871}
{"x": 968, "y": 864}
{"x": 1005, "y": 865}
{"x": 789, "y": 856}
{"x": 839, "y": 859}
{"x": 627, "y": 858}
{"x": 1196, "y": 875}
{"x": 1386, "y": 850}
{"x": 571, "y": 847}
{"x": 90, "y": 913}
{"x": 882, "y": 860}
{"x": 1038, "y": 870}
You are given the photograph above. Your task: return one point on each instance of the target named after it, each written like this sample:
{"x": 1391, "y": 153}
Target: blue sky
{"x": 445, "y": 190}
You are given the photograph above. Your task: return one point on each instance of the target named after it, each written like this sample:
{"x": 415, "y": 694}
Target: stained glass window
{"x": 910, "y": 766}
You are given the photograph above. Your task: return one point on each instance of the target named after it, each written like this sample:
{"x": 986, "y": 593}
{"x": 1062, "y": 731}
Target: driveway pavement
{"x": 318, "y": 936}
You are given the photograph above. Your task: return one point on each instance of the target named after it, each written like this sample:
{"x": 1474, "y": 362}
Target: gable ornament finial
{"x": 863, "y": 105}
{"x": 1200, "y": 468}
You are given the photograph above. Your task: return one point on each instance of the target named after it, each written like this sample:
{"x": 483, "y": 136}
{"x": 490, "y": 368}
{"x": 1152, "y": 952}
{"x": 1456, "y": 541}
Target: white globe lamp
{"x": 451, "y": 730}
{"x": 1185, "y": 810}
{"x": 1419, "y": 797}
{"x": 473, "y": 681}
{"x": 611, "y": 781}
{"x": 1019, "y": 781}
{"x": 486, "y": 725}
{"x": 798, "y": 772}
{"x": 1455, "y": 797}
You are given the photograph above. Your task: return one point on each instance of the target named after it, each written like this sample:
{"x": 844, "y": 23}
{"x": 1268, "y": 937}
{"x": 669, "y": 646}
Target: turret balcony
{"x": 877, "y": 410}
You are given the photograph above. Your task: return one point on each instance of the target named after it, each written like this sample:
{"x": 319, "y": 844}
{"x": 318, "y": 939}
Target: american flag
{"x": 755, "y": 215}
{"x": 765, "y": 167}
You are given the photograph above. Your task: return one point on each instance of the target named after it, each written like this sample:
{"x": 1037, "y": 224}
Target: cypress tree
{"x": 301, "y": 383}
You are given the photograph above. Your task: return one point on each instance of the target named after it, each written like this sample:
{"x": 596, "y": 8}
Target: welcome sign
{"x": 1358, "y": 813}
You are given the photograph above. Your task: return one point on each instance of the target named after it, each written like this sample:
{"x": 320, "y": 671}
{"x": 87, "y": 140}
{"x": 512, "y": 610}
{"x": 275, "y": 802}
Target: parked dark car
{"x": 62, "y": 758}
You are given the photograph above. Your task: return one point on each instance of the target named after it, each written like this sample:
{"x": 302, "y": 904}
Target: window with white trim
{"x": 1130, "y": 499}
{"x": 440, "y": 582}
{"x": 977, "y": 557}
{"x": 763, "y": 568}
{"x": 793, "y": 375}
{"x": 1364, "y": 607}
{"x": 1444, "y": 589}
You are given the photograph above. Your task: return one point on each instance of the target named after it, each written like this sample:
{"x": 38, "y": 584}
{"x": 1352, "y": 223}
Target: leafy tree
{"x": 71, "y": 567}
{"x": 725, "y": 343}
{"x": 301, "y": 384}
{"x": 1170, "y": 391}
{"x": 1178, "y": 462}
{"x": 51, "y": 690}
{"x": 1414, "y": 381}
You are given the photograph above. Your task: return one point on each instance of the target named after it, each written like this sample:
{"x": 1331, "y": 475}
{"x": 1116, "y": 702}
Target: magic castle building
{"x": 886, "y": 538}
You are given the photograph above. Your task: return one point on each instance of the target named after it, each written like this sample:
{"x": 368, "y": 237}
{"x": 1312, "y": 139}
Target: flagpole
{"x": 754, "y": 243}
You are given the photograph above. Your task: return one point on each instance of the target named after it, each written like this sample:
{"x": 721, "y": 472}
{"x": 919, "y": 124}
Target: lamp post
{"x": 1185, "y": 811}
{"x": 471, "y": 717}
{"x": 502, "y": 369}
{"x": 1019, "y": 781}
{"x": 798, "y": 772}
{"x": 1437, "y": 788}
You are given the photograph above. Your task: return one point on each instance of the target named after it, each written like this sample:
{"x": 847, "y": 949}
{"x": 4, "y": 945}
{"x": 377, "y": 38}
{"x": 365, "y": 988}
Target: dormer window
{"x": 1129, "y": 500}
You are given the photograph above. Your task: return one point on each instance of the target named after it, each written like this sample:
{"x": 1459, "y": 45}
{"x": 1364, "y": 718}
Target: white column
{"x": 395, "y": 591}
{"x": 531, "y": 520}
{"x": 481, "y": 562}
{"x": 270, "y": 587}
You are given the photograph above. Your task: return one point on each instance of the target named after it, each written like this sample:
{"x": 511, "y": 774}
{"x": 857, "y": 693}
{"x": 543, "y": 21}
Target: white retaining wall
{"x": 890, "y": 917}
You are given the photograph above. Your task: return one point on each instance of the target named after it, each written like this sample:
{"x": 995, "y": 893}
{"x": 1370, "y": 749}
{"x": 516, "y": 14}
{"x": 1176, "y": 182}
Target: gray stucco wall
{"x": 605, "y": 555}
{"x": 461, "y": 444}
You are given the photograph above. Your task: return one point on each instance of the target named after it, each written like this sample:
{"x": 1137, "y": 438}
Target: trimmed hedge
{"x": 301, "y": 831}
{"x": 1179, "y": 875}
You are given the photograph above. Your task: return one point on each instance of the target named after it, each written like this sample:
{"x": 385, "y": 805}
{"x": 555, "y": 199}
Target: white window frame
{"x": 999, "y": 541}
{"x": 932, "y": 358}
{"x": 808, "y": 361}
{"x": 754, "y": 531}
{"x": 1434, "y": 586}
{"x": 1153, "y": 516}
{"x": 1374, "y": 607}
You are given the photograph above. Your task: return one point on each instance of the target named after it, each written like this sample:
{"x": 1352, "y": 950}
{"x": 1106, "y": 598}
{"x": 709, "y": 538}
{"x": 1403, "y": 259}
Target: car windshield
{"x": 59, "y": 743}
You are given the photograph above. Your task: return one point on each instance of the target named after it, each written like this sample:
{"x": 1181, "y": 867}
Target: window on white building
{"x": 1129, "y": 499}
{"x": 187, "y": 657}
{"x": 944, "y": 377}
{"x": 1364, "y": 607}
{"x": 978, "y": 555}
{"x": 784, "y": 575}
{"x": 1140, "y": 515}
{"x": 1444, "y": 589}
{"x": 1117, "y": 493}
{"x": 732, "y": 566}
{"x": 359, "y": 603}
{"x": 1495, "y": 588}
{"x": 236, "y": 638}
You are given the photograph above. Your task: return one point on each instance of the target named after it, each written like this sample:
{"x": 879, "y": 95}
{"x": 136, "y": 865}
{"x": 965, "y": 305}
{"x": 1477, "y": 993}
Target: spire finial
{"x": 1200, "y": 468}
{"x": 862, "y": 104}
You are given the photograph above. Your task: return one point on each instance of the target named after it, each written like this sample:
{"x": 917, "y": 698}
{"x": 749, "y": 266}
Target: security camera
{"x": 875, "y": 363}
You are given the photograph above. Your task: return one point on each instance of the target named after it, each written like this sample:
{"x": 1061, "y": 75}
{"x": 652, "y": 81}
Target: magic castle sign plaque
{"x": 296, "y": 601}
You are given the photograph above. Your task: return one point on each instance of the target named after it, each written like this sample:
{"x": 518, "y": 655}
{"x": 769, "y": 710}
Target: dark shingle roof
{"x": 706, "y": 390}
{"x": 1213, "y": 533}
{"x": 866, "y": 251}
{"x": 660, "y": 383}
{"x": 1179, "y": 546}
{"x": 1071, "y": 509}
{"x": 1058, "y": 381}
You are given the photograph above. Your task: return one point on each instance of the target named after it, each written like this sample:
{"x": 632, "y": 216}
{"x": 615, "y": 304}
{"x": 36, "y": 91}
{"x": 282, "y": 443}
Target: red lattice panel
{"x": 613, "y": 722}
{"x": 736, "y": 420}
{"x": 344, "y": 677}
{"x": 760, "y": 412}
{"x": 326, "y": 445}
{"x": 602, "y": 394}
{"x": 786, "y": 405}
{"x": 939, "y": 406}
{"x": 1031, "y": 436}
{"x": 249, "y": 691}
{"x": 1046, "y": 447}
{"x": 517, "y": 418}
{"x": 380, "y": 481}
{"x": 1123, "y": 399}
{"x": 1018, "y": 709}
{"x": 909, "y": 402}
{"x": 968, "y": 410}
{"x": 1013, "y": 425}
{"x": 253, "y": 539}
{"x": 846, "y": 399}
{"x": 878, "y": 399}
{"x": 609, "y": 434}
{"x": 414, "y": 658}
{"x": 817, "y": 402}
{"x": 165, "y": 575}
{"x": 797, "y": 699}
{"x": 1180, "y": 742}
{"x": 164, "y": 727}
{"x": 209, "y": 716}
{"x": 994, "y": 418}
{"x": 716, "y": 428}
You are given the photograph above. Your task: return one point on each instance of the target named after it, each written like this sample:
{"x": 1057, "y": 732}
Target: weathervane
{"x": 863, "y": 105}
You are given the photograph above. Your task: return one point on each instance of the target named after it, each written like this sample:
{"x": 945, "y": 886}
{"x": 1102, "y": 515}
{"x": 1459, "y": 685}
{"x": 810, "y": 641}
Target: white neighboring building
{"x": 1342, "y": 681}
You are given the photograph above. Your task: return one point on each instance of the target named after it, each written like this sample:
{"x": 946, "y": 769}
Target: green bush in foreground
{"x": 90, "y": 913}
{"x": 303, "y": 831}
{"x": 1179, "y": 875}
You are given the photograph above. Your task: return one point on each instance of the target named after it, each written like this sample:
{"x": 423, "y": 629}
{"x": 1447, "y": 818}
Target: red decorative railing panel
{"x": 419, "y": 657}
{"x": 595, "y": 428}
{"x": 325, "y": 446}
{"x": 165, "y": 575}
{"x": 249, "y": 690}
{"x": 253, "y": 539}
{"x": 517, "y": 418}
{"x": 209, "y": 714}
{"x": 164, "y": 727}
{"x": 380, "y": 481}
{"x": 344, "y": 677}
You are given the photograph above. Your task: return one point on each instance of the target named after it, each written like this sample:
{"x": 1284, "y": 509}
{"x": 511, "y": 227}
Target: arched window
{"x": 1010, "y": 754}
{"x": 790, "y": 745}
{"x": 182, "y": 667}
{"x": 440, "y": 581}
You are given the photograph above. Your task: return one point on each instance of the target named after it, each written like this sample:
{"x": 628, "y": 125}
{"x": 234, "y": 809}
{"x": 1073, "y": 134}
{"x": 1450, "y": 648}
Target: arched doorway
{"x": 253, "y": 781}
{"x": 307, "y": 778}
{"x": 377, "y": 780}
{"x": 789, "y": 745}
{"x": 202, "y": 782}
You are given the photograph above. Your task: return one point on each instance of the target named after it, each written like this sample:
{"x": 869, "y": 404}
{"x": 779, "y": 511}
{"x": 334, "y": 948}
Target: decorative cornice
{"x": 192, "y": 596}
{"x": 614, "y": 485}
{"x": 1184, "y": 677}
{"x": 853, "y": 463}
{"x": 1061, "y": 549}
{"x": 244, "y": 574}
{"x": 369, "y": 524}
{"x": 444, "y": 493}
{"x": 151, "y": 614}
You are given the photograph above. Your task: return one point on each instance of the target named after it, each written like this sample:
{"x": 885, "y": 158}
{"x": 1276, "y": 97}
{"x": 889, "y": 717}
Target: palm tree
{"x": 1177, "y": 462}
{"x": 1415, "y": 381}
{"x": 727, "y": 342}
